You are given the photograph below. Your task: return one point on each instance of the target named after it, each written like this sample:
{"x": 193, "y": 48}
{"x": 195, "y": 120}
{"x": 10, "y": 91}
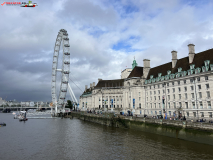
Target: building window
{"x": 159, "y": 97}
{"x": 121, "y": 105}
{"x": 208, "y": 94}
{"x": 168, "y": 97}
{"x": 202, "y": 114}
{"x": 179, "y": 89}
{"x": 174, "y": 105}
{"x": 186, "y": 103}
{"x": 151, "y": 105}
{"x": 147, "y": 105}
{"x": 173, "y": 83}
{"x": 191, "y": 80}
{"x": 180, "y": 104}
{"x": 158, "y": 86}
{"x": 207, "y": 86}
{"x": 173, "y": 90}
{"x": 193, "y": 96}
{"x": 155, "y": 98}
{"x": 162, "y": 85}
{"x": 179, "y": 96}
{"x": 155, "y": 105}
{"x": 117, "y": 106}
{"x": 178, "y": 82}
{"x": 199, "y": 86}
{"x": 154, "y": 92}
{"x": 185, "y": 95}
{"x": 200, "y": 94}
{"x": 150, "y": 87}
{"x": 194, "y": 113}
{"x": 173, "y": 96}
{"x": 139, "y": 93}
{"x": 154, "y": 86}
{"x": 210, "y": 114}
{"x": 185, "y": 88}
{"x": 187, "y": 113}
{"x": 169, "y": 105}
{"x": 158, "y": 91}
{"x": 147, "y": 98}
{"x": 184, "y": 81}
{"x": 192, "y": 88}
{"x": 168, "y": 90}
{"x": 159, "y": 105}
{"x": 167, "y": 84}
{"x": 198, "y": 79}
{"x": 201, "y": 105}
{"x": 139, "y": 98}
{"x": 163, "y": 91}
{"x": 206, "y": 78}
{"x": 209, "y": 104}
{"x": 150, "y": 92}
{"x": 193, "y": 105}
{"x": 139, "y": 105}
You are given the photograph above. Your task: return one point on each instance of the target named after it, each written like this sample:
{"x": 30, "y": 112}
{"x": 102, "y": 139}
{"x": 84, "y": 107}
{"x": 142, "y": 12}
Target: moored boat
{"x": 2, "y": 124}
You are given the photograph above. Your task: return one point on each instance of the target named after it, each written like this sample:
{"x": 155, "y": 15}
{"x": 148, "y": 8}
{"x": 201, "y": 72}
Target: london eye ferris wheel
{"x": 59, "y": 101}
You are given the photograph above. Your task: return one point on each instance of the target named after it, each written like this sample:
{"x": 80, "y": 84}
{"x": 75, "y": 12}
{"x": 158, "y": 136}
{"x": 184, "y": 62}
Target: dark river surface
{"x": 73, "y": 139}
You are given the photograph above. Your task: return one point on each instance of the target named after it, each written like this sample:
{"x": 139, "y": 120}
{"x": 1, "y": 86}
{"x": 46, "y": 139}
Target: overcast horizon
{"x": 104, "y": 37}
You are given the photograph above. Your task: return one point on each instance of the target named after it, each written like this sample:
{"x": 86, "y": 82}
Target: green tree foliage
{"x": 69, "y": 104}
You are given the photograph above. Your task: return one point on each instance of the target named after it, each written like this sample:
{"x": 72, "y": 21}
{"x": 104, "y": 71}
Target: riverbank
{"x": 191, "y": 131}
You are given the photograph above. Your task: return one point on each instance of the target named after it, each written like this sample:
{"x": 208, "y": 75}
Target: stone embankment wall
{"x": 131, "y": 122}
{"x": 191, "y": 131}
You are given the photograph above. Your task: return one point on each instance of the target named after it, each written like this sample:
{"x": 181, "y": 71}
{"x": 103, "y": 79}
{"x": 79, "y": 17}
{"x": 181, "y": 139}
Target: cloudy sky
{"x": 105, "y": 35}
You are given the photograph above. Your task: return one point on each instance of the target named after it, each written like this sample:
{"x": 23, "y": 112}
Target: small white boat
{"x": 22, "y": 116}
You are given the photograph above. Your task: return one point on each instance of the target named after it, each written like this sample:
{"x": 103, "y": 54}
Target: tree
{"x": 69, "y": 104}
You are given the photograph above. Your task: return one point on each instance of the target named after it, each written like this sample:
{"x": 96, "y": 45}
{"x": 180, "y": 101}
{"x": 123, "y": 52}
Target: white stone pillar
{"x": 131, "y": 101}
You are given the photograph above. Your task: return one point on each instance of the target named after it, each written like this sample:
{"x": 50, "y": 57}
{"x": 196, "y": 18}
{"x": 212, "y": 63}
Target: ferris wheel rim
{"x": 65, "y": 70}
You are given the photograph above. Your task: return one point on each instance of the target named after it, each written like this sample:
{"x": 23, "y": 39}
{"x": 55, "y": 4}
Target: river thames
{"x": 73, "y": 139}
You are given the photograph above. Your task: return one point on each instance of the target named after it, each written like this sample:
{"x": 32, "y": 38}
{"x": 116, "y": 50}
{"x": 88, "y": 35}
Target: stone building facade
{"x": 181, "y": 87}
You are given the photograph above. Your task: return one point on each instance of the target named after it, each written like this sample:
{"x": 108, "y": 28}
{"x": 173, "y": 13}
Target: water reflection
{"x": 76, "y": 139}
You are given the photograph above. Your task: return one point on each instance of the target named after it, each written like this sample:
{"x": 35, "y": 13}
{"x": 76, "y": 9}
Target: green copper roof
{"x": 134, "y": 64}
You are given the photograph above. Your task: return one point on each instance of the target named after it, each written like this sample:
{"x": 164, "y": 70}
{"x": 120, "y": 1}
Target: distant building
{"x": 182, "y": 87}
{"x": 28, "y": 104}
{"x": 2, "y": 102}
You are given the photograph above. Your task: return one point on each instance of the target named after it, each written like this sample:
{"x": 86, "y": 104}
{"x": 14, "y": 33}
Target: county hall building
{"x": 181, "y": 87}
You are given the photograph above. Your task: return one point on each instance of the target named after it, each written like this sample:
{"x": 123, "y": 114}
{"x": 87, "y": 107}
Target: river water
{"x": 73, "y": 139}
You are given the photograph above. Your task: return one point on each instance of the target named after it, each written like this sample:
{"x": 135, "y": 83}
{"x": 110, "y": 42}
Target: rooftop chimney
{"x": 174, "y": 58}
{"x": 93, "y": 84}
{"x": 191, "y": 52}
{"x": 146, "y": 67}
{"x": 90, "y": 85}
{"x": 85, "y": 88}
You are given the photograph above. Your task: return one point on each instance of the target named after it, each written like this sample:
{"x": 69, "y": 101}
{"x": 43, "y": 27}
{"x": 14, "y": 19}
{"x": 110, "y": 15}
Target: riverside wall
{"x": 191, "y": 131}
